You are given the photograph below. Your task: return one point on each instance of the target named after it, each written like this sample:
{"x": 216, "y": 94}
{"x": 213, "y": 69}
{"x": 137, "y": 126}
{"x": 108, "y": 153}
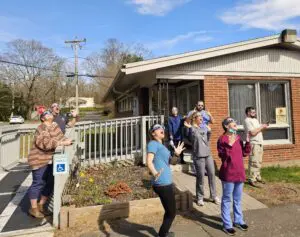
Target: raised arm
{"x": 254, "y": 131}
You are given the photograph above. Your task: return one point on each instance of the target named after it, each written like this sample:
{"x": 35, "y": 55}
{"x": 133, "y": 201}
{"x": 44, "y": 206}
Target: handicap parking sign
{"x": 60, "y": 168}
{"x": 60, "y": 164}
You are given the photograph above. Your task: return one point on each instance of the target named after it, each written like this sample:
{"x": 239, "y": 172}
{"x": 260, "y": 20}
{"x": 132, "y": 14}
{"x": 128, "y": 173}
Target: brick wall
{"x": 216, "y": 100}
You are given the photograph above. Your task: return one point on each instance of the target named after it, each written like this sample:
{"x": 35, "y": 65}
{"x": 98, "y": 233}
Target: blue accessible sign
{"x": 60, "y": 164}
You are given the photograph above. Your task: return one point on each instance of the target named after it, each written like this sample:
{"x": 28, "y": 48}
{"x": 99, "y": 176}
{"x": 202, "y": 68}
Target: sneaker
{"x": 217, "y": 201}
{"x": 243, "y": 227}
{"x": 200, "y": 202}
{"x": 35, "y": 212}
{"x": 252, "y": 183}
{"x": 230, "y": 231}
{"x": 261, "y": 181}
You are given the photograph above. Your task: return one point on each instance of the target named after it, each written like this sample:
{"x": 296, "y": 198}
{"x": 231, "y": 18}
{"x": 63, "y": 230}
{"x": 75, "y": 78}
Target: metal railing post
{"x": 144, "y": 138}
{"x": 162, "y": 119}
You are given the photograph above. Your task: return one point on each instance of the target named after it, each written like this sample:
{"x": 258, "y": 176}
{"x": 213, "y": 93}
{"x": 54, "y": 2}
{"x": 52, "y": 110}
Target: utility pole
{"x": 75, "y": 44}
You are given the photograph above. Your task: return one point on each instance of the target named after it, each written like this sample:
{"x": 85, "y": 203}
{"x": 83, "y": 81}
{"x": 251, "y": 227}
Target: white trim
{"x": 277, "y": 142}
{"x": 181, "y": 76}
{"x": 202, "y": 54}
{"x": 200, "y": 75}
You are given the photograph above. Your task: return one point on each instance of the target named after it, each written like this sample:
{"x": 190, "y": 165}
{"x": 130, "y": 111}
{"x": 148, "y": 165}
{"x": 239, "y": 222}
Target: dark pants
{"x": 167, "y": 198}
{"x": 42, "y": 182}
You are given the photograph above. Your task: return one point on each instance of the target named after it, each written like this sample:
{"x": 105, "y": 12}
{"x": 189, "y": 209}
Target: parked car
{"x": 16, "y": 119}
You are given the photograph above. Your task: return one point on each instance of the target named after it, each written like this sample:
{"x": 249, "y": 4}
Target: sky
{"x": 166, "y": 27}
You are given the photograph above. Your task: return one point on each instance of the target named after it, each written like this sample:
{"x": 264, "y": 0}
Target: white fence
{"x": 15, "y": 143}
{"x": 115, "y": 139}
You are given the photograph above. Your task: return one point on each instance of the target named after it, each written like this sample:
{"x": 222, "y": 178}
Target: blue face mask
{"x": 232, "y": 131}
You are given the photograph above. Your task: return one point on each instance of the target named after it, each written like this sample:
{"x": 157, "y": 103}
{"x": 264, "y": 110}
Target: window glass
{"x": 275, "y": 134}
{"x": 272, "y": 96}
{"x": 194, "y": 95}
{"x": 240, "y": 97}
{"x": 182, "y": 100}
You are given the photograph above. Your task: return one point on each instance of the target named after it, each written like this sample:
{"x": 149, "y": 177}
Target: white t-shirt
{"x": 251, "y": 124}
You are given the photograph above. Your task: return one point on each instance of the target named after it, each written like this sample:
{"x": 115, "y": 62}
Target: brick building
{"x": 263, "y": 72}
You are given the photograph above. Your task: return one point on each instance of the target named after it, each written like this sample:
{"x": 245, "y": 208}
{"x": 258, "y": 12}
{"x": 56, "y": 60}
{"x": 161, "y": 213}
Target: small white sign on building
{"x": 60, "y": 164}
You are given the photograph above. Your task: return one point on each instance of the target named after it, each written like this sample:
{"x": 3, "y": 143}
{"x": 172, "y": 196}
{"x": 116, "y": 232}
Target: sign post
{"x": 60, "y": 164}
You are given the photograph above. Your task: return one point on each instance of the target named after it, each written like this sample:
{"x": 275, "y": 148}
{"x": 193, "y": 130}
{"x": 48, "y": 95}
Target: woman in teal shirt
{"x": 158, "y": 162}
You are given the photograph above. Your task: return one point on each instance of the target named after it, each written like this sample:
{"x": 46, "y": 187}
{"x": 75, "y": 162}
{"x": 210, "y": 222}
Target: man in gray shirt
{"x": 254, "y": 128}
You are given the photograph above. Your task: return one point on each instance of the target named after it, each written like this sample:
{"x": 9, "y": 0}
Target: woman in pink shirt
{"x": 231, "y": 150}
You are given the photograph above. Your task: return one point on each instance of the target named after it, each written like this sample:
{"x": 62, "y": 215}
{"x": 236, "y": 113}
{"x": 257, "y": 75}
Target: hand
{"x": 74, "y": 114}
{"x": 232, "y": 139}
{"x": 186, "y": 124}
{"x": 66, "y": 142}
{"x": 157, "y": 175}
{"x": 179, "y": 149}
{"x": 264, "y": 126}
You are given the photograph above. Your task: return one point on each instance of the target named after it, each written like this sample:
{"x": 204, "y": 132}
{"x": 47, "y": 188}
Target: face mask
{"x": 232, "y": 131}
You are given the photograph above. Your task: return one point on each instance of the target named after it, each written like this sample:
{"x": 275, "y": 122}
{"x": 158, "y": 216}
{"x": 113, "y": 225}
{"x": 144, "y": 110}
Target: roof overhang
{"x": 286, "y": 38}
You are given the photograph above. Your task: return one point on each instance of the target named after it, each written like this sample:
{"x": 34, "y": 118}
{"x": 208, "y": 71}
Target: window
{"x": 187, "y": 96}
{"x": 271, "y": 100}
{"x": 125, "y": 104}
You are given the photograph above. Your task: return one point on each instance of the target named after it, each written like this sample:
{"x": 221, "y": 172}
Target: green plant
{"x": 279, "y": 174}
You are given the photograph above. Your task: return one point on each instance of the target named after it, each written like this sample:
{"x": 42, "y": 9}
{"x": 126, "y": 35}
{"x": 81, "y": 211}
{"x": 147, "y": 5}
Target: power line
{"x": 69, "y": 74}
{"x": 32, "y": 66}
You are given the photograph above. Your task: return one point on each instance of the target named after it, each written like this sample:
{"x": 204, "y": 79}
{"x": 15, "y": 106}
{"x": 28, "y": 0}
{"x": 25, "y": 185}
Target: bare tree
{"x": 107, "y": 61}
{"x": 36, "y": 60}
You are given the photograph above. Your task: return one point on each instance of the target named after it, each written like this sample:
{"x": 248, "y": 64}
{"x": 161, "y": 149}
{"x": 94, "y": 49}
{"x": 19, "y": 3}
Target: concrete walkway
{"x": 14, "y": 204}
{"x": 188, "y": 182}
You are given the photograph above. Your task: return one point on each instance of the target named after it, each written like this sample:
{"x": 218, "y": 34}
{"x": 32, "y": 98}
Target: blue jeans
{"x": 42, "y": 182}
{"x": 234, "y": 190}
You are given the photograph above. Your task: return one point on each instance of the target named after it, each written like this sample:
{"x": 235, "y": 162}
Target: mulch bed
{"x": 105, "y": 184}
{"x": 276, "y": 193}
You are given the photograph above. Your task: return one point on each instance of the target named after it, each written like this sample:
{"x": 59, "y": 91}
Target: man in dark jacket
{"x": 175, "y": 125}
{"x": 63, "y": 121}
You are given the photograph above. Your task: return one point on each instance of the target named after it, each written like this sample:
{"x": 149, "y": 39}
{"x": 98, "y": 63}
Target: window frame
{"x": 287, "y": 98}
{"x": 186, "y": 88}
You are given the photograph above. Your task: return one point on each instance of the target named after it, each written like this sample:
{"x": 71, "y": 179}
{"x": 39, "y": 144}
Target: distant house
{"x": 83, "y": 102}
{"x": 263, "y": 72}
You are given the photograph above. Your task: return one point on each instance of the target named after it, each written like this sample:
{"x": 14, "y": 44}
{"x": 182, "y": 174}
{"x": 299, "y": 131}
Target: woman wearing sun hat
{"x": 158, "y": 162}
{"x": 231, "y": 150}
{"x": 47, "y": 137}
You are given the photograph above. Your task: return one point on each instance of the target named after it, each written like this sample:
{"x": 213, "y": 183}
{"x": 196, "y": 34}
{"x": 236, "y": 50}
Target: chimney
{"x": 289, "y": 36}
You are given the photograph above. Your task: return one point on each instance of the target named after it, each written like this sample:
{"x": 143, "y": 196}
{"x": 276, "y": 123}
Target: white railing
{"x": 115, "y": 139}
{"x": 15, "y": 143}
